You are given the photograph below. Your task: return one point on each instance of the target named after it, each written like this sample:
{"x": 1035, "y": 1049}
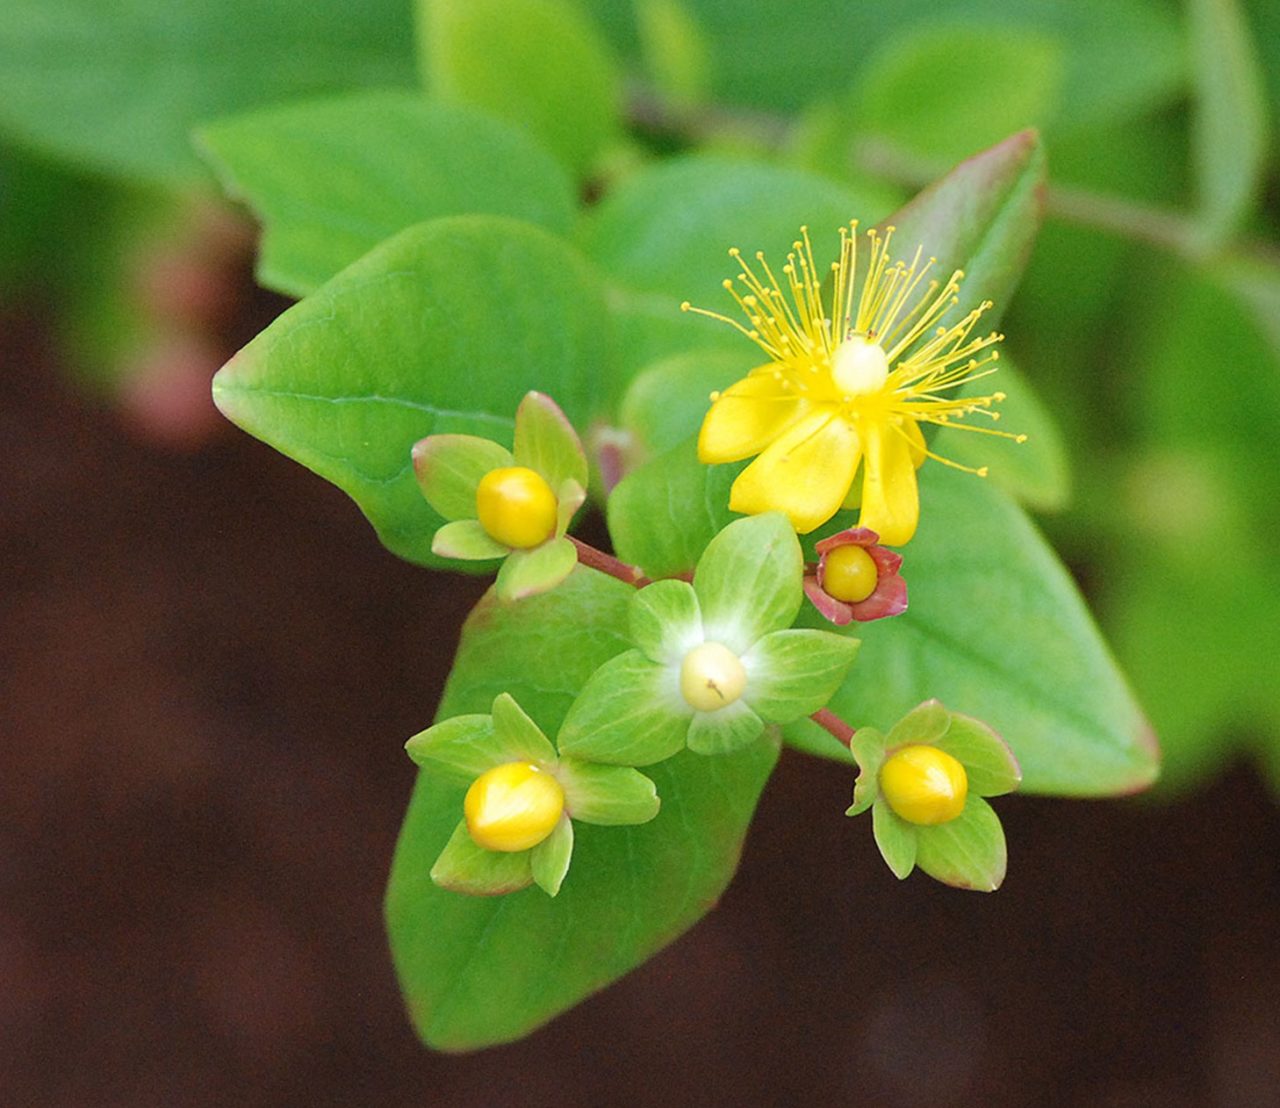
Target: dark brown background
{"x": 208, "y": 669}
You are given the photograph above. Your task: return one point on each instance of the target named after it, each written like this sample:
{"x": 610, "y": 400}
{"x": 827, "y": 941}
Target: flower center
{"x": 711, "y": 677}
{"x": 850, "y": 574}
{"x": 513, "y": 807}
{"x": 924, "y": 785}
{"x": 859, "y": 366}
{"x": 516, "y": 507}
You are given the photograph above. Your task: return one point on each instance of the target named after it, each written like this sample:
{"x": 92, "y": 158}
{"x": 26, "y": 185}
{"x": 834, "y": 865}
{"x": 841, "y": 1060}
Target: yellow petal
{"x": 913, "y": 432}
{"x": 890, "y": 497}
{"x": 747, "y": 417}
{"x": 805, "y": 473}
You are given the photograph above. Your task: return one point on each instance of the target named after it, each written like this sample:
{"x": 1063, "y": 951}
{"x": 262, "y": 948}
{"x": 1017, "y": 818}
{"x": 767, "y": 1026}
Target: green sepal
{"x": 748, "y": 580}
{"x": 570, "y": 496}
{"x": 549, "y": 860}
{"x": 450, "y": 467}
{"x": 725, "y": 730}
{"x": 466, "y": 868}
{"x": 513, "y": 728}
{"x": 924, "y": 725}
{"x": 988, "y": 762}
{"x": 462, "y": 748}
{"x": 629, "y": 713}
{"x": 792, "y": 673}
{"x": 546, "y": 442}
{"x": 967, "y": 852}
{"x": 665, "y": 621}
{"x": 610, "y": 796}
{"x": 867, "y": 748}
{"x": 468, "y": 541}
{"x": 895, "y": 837}
{"x": 529, "y": 572}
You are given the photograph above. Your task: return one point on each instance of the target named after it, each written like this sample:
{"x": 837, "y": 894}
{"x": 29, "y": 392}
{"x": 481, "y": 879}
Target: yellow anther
{"x": 513, "y": 807}
{"x": 924, "y": 785}
{"x": 850, "y": 574}
{"x": 711, "y": 677}
{"x": 516, "y": 507}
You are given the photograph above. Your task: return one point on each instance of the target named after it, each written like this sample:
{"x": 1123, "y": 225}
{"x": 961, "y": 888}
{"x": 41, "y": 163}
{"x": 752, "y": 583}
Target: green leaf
{"x": 1229, "y": 126}
{"x": 896, "y": 839}
{"x": 925, "y": 724}
{"x": 442, "y": 328}
{"x": 988, "y": 763}
{"x": 664, "y": 404}
{"x": 468, "y": 541}
{"x": 748, "y": 581}
{"x": 464, "y": 747}
{"x": 118, "y": 87}
{"x": 538, "y": 64}
{"x": 725, "y": 730}
{"x": 463, "y": 867}
{"x": 481, "y": 971}
{"x": 330, "y": 179}
{"x": 663, "y": 515}
{"x": 967, "y": 852}
{"x": 449, "y": 469}
{"x": 528, "y": 572}
{"x": 997, "y": 630}
{"x": 868, "y": 750}
{"x": 677, "y": 56}
{"x": 909, "y": 95}
{"x": 608, "y": 796}
{"x": 512, "y": 725}
{"x": 549, "y": 860}
{"x": 1037, "y": 471}
{"x": 630, "y": 713}
{"x": 981, "y": 217}
{"x": 794, "y": 672}
{"x": 546, "y": 442}
{"x": 667, "y": 230}
{"x": 666, "y": 622}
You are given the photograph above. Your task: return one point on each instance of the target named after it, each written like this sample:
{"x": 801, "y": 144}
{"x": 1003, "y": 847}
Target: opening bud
{"x": 850, "y": 574}
{"x": 924, "y": 785}
{"x": 513, "y": 807}
{"x": 516, "y": 507}
{"x": 711, "y": 677}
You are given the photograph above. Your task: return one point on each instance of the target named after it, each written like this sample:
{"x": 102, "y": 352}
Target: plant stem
{"x": 606, "y": 563}
{"x": 833, "y": 725}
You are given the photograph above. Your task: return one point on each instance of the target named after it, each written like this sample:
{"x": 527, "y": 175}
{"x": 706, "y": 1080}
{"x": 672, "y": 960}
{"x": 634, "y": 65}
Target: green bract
{"x": 464, "y": 747}
{"x": 968, "y": 851}
{"x": 449, "y": 469}
{"x": 745, "y": 594}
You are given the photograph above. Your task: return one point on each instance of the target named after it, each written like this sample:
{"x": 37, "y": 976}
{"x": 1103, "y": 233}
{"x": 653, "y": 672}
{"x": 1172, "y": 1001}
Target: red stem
{"x": 833, "y": 725}
{"x": 606, "y": 563}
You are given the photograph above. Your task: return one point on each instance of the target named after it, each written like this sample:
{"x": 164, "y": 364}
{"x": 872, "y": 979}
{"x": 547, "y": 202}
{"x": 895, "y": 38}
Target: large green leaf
{"x": 330, "y": 179}
{"x": 1229, "y": 122}
{"x": 997, "y": 630}
{"x": 442, "y": 328}
{"x": 536, "y": 63}
{"x": 477, "y": 971}
{"x": 118, "y": 87}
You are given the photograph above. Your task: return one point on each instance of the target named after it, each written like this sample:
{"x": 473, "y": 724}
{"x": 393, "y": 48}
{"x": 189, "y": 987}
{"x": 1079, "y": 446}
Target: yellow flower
{"x": 835, "y": 414}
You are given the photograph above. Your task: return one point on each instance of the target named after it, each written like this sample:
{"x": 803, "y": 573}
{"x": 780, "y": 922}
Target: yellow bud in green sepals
{"x": 711, "y": 677}
{"x": 513, "y": 807}
{"x": 924, "y": 785}
{"x": 850, "y": 574}
{"x": 516, "y": 507}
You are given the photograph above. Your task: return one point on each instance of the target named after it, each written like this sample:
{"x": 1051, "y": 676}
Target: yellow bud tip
{"x": 924, "y": 785}
{"x": 850, "y": 574}
{"x": 711, "y": 677}
{"x": 516, "y": 507}
{"x": 513, "y": 807}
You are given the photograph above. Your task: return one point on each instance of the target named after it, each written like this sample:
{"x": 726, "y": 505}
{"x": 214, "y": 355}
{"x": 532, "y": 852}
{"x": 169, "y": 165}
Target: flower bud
{"x": 513, "y": 807}
{"x": 711, "y": 677}
{"x": 851, "y": 574}
{"x": 924, "y": 785}
{"x": 516, "y": 507}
